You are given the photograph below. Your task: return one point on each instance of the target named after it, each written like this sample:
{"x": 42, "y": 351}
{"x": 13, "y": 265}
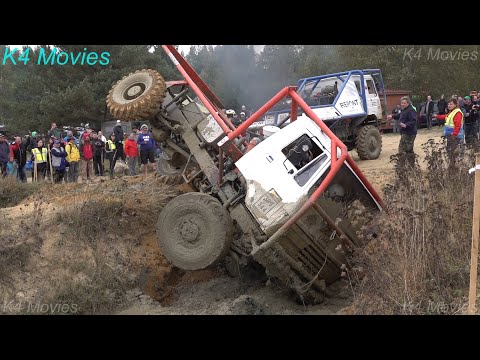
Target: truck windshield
{"x": 317, "y": 92}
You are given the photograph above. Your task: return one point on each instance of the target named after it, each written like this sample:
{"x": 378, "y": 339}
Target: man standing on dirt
{"x": 145, "y": 139}
{"x": 470, "y": 118}
{"x": 98, "y": 146}
{"x": 408, "y": 126}
{"x": 119, "y": 139}
{"x": 18, "y": 150}
{"x": 73, "y": 157}
{"x": 58, "y": 161}
{"x": 87, "y": 157}
{"x": 131, "y": 150}
{"x": 40, "y": 156}
{"x": 429, "y": 112}
{"x": 453, "y": 129}
{"x": 111, "y": 153}
{"x": 442, "y": 105}
{"x": 396, "y": 124}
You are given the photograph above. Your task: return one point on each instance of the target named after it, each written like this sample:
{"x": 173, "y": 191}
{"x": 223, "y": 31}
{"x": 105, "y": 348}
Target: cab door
{"x": 373, "y": 101}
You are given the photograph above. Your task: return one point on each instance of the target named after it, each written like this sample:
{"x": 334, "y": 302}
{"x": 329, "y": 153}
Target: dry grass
{"x": 92, "y": 253}
{"x": 419, "y": 261}
{"x": 13, "y": 192}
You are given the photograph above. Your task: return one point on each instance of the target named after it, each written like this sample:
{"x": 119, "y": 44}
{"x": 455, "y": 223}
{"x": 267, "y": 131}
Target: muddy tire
{"x": 194, "y": 231}
{"x": 137, "y": 96}
{"x": 369, "y": 143}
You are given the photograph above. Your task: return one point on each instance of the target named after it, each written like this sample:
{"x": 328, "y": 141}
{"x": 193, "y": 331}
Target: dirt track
{"x": 380, "y": 171}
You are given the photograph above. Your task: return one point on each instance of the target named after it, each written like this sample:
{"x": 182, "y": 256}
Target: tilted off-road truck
{"x": 285, "y": 202}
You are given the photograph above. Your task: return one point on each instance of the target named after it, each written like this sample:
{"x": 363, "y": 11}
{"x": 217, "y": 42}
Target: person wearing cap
{"x": 4, "y": 155}
{"x": 470, "y": 113}
{"x": 243, "y": 117}
{"x": 119, "y": 139}
{"x": 59, "y": 163}
{"x": 33, "y": 141}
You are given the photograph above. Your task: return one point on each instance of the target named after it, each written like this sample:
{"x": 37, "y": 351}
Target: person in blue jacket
{"x": 147, "y": 146}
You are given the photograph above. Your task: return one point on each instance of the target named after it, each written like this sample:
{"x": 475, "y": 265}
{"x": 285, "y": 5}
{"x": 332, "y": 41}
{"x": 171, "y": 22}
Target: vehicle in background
{"x": 351, "y": 103}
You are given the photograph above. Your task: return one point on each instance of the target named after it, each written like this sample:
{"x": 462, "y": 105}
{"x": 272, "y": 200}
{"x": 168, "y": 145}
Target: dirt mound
{"x": 82, "y": 247}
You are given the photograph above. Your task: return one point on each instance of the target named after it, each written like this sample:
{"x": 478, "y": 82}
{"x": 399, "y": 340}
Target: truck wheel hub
{"x": 189, "y": 231}
{"x": 134, "y": 91}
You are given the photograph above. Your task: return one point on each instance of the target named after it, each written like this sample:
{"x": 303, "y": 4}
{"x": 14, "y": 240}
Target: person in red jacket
{"x": 87, "y": 157}
{"x": 131, "y": 150}
{"x": 453, "y": 129}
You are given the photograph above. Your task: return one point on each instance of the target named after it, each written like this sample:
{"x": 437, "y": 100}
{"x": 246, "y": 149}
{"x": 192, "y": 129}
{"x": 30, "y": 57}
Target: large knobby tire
{"x": 369, "y": 143}
{"x": 194, "y": 231}
{"x": 137, "y": 96}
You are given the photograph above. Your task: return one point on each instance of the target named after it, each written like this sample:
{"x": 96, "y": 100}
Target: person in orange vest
{"x": 131, "y": 150}
{"x": 453, "y": 129}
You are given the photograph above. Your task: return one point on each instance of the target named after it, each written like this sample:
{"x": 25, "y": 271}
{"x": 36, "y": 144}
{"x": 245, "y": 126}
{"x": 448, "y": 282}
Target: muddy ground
{"x": 54, "y": 259}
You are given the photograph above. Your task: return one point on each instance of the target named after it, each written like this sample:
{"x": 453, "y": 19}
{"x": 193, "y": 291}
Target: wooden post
{"x": 472, "y": 298}
{"x": 35, "y": 168}
{"x": 51, "y": 167}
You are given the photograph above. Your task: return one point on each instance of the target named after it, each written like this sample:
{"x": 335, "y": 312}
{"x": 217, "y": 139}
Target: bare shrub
{"x": 93, "y": 274}
{"x": 419, "y": 262}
